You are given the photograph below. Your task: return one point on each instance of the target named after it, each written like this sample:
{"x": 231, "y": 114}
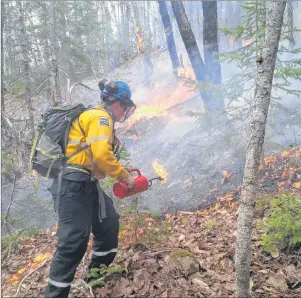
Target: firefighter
{"x": 81, "y": 204}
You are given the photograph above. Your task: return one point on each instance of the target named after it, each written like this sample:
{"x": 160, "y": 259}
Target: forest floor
{"x": 184, "y": 254}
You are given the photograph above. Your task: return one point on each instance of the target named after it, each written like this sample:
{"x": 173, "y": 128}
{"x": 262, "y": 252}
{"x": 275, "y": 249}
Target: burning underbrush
{"x": 175, "y": 254}
{"x": 183, "y": 254}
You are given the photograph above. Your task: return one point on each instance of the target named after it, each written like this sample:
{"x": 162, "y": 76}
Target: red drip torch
{"x": 121, "y": 191}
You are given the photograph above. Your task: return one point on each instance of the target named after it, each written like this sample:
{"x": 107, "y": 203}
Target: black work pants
{"x": 78, "y": 212}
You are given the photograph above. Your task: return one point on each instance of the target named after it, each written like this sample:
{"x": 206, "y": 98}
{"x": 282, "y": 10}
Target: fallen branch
{"x": 186, "y": 212}
{"x": 27, "y": 275}
{"x": 181, "y": 103}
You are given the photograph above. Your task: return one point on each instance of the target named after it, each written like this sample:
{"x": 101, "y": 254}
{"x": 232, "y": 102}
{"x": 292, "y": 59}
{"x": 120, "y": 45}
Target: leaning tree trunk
{"x": 54, "y": 69}
{"x": 192, "y": 49}
{"x": 189, "y": 40}
{"x": 25, "y": 58}
{"x": 265, "y": 71}
{"x": 169, "y": 36}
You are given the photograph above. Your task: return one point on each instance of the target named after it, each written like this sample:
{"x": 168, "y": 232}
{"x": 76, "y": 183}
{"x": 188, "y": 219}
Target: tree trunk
{"x": 25, "y": 49}
{"x": 2, "y": 56}
{"x": 290, "y": 23}
{"x": 265, "y": 71}
{"x": 54, "y": 69}
{"x": 192, "y": 50}
{"x": 189, "y": 40}
{"x": 169, "y": 36}
{"x": 210, "y": 41}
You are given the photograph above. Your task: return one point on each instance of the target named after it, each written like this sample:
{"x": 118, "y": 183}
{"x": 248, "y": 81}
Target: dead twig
{"x": 27, "y": 275}
{"x": 90, "y": 288}
{"x": 159, "y": 252}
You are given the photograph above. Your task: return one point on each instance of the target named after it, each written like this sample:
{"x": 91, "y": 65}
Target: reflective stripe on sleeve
{"x": 98, "y": 139}
{"x": 59, "y": 284}
{"x": 76, "y": 142}
{"x": 103, "y": 253}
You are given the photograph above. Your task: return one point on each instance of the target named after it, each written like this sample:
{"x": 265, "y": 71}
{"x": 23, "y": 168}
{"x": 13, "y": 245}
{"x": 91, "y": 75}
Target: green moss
{"x": 180, "y": 254}
{"x": 185, "y": 221}
{"x": 156, "y": 233}
{"x": 14, "y": 239}
{"x": 209, "y": 226}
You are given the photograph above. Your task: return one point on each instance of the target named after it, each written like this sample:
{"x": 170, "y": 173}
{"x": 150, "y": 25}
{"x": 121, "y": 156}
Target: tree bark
{"x": 169, "y": 36}
{"x": 210, "y": 41}
{"x": 264, "y": 80}
{"x": 54, "y": 69}
{"x": 189, "y": 40}
{"x": 2, "y": 56}
{"x": 25, "y": 49}
{"x": 290, "y": 22}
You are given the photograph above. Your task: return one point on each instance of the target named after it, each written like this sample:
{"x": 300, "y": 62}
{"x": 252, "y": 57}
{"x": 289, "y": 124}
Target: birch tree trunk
{"x": 54, "y": 69}
{"x": 25, "y": 58}
{"x": 265, "y": 72}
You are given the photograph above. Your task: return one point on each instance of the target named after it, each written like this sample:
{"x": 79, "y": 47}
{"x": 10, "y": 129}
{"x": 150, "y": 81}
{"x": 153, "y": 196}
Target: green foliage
{"x": 282, "y": 228}
{"x": 14, "y": 239}
{"x": 103, "y": 274}
{"x": 156, "y": 234}
{"x": 209, "y": 226}
{"x": 180, "y": 254}
{"x": 7, "y": 166}
{"x": 241, "y": 85}
{"x": 18, "y": 89}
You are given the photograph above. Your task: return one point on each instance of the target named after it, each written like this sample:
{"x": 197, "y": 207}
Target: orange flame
{"x": 15, "y": 279}
{"x": 187, "y": 73}
{"x": 160, "y": 170}
{"x": 226, "y": 174}
{"x": 139, "y": 39}
{"x": 297, "y": 184}
{"x": 160, "y": 103}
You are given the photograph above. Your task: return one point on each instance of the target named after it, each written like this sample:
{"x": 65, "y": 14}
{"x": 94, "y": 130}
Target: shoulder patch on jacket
{"x": 104, "y": 121}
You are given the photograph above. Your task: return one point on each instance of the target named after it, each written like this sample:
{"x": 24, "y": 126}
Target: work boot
{"x": 95, "y": 275}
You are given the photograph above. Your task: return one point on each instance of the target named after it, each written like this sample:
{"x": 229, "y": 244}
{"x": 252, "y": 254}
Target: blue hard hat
{"x": 121, "y": 91}
{"x": 118, "y": 90}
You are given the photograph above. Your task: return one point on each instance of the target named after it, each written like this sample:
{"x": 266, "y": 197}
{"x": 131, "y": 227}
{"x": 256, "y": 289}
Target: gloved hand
{"x": 129, "y": 181}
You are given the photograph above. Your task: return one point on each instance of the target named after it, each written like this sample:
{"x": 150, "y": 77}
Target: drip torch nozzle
{"x": 150, "y": 181}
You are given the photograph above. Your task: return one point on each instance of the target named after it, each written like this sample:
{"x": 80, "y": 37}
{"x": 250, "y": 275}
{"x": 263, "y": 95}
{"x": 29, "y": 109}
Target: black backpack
{"x": 50, "y": 141}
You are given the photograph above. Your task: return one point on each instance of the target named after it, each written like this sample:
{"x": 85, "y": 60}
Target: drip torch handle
{"x": 136, "y": 170}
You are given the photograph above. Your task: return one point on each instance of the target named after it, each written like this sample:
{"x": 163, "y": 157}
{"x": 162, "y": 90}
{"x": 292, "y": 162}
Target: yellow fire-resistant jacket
{"x": 98, "y": 127}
